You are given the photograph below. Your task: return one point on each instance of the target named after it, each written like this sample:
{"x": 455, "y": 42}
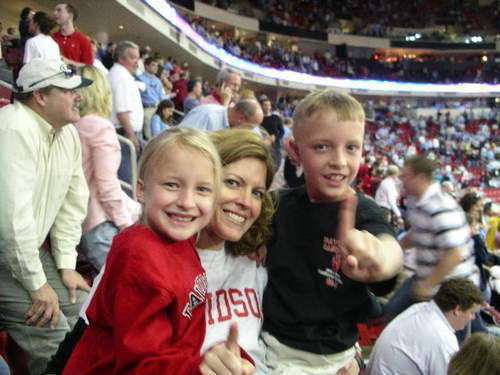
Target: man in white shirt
{"x": 387, "y": 196}
{"x": 128, "y": 113}
{"x": 44, "y": 202}
{"x": 41, "y": 45}
{"x": 421, "y": 340}
{"x": 245, "y": 113}
{"x": 439, "y": 234}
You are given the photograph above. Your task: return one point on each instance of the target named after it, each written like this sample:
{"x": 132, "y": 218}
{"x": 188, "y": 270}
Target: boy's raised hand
{"x": 225, "y": 358}
{"x": 362, "y": 260}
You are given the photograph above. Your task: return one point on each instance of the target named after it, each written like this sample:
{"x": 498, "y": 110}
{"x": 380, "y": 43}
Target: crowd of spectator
{"x": 374, "y": 18}
{"x": 466, "y": 147}
{"x": 137, "y": 94}
{"x": 425, "y": 69}
{"x": 461, "y": 142}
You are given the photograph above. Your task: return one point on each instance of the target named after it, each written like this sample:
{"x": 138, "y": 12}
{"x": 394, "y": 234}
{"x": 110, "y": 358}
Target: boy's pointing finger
{"x": 346, "y": 217}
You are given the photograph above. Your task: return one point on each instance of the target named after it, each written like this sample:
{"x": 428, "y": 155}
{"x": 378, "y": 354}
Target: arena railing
{"x": 129, "y": 187}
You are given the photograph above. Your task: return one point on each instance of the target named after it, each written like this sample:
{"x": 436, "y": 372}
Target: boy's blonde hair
{"x": 234, "y": 145}
{"x": 345, "y": 106}
{"x": 96, "y": 98}
{"x": 159, "y": 147}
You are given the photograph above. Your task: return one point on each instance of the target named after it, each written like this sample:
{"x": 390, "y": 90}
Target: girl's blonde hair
{"x": 479, "y": 355}
{"x": 159, "y": 147}
{"x": 234, "y": 145}
{"x": 97, "y": 97}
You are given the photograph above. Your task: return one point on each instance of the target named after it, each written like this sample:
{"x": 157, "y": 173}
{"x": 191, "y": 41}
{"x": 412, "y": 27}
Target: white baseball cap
{"x": 40, "y": 73}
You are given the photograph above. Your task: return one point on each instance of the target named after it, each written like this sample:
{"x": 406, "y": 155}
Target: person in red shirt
{"x": 75, "y": 46}
{"x": 179, "y": 87}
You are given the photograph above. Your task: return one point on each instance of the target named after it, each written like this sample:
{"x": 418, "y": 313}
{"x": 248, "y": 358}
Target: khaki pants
{"x": 284, "y": 360}
{"x": 38, "y": 343}
{"x": 148, "y": 113}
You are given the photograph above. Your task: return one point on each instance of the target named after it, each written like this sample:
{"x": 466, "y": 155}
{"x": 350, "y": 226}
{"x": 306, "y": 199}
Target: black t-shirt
{"x": 274, "y": 126}
{"x": 308, "y": 303}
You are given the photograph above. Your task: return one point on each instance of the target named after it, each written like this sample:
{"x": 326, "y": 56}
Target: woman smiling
{"x": 239, "y": 227}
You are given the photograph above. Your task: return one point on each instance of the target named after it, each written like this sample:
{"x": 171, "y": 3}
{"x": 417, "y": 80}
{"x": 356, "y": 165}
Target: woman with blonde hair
{"x": 109, "y": 208}
{"x": 479, "y": 355}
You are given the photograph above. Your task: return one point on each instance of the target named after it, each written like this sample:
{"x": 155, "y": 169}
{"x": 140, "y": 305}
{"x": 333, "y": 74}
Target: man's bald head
{"x": 246, "y": 111}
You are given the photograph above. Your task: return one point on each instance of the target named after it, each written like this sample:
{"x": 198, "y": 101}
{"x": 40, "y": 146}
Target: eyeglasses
{"x": 64, "y": 70}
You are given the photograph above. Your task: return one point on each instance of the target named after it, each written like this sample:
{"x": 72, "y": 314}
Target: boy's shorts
{"x": 284, "y": 360}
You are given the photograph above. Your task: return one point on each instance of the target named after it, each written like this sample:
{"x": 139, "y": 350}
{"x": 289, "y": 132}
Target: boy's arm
{"x": 367, "y": 258}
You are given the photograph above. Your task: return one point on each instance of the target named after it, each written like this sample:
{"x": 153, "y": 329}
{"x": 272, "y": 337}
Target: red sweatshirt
{"x": 147, "y": 315}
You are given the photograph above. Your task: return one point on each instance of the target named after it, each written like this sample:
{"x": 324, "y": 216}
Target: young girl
{"x": 239, "y": 226}
{"x": 147, "y": 313}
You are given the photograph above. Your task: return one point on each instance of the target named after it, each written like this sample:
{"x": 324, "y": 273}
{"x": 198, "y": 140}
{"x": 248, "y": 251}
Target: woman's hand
{"x": 225, "y": 358}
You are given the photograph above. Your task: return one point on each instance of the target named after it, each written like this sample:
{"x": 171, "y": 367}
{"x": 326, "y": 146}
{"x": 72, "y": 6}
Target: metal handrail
{"x": 133, "y": 165}
{"x": 180, "y": 113}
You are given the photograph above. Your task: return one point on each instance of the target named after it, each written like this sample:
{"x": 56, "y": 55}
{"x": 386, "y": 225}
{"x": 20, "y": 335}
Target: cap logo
{"x": 65, "y": 69}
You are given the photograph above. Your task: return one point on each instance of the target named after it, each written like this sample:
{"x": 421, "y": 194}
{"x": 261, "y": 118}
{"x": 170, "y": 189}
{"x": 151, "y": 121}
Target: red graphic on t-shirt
{"x": 196, "y": 296}
{"x": 332, "y": 276}
{"x": 223, "y": 304}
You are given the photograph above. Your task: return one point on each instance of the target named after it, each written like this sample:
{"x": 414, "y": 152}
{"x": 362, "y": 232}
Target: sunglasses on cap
{"x": 65, "y": 70}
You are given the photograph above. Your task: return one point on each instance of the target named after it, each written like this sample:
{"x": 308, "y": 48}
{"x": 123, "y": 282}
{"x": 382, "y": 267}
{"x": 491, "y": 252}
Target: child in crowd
{"x": 479, "y": 355}
{"x": 147, "y": 314}
{"x": 325, "y": 248}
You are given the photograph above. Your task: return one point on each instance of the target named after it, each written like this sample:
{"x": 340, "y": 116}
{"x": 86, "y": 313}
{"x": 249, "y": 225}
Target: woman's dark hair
{"x": 45, "y": 22}
{"x": 24, "y": 13}
{"x": 166, "y": 103}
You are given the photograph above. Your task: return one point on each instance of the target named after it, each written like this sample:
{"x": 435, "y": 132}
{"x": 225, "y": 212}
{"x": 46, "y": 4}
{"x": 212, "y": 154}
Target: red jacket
{"x": 147, "y": 315}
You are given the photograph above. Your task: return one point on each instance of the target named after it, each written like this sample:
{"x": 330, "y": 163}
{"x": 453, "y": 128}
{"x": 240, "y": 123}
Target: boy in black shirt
{"x": 324, "y": 247}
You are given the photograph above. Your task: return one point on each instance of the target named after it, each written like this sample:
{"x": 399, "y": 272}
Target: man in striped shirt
{"x": 439, "y": 234}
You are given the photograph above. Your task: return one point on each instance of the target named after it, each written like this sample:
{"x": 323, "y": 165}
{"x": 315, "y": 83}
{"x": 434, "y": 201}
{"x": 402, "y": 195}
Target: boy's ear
{"x": 293, "y": 151}
{"x": 139, "y": 191}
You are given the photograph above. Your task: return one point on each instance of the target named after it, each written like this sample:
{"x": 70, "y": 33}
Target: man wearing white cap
{"x": 44, "y": 201}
